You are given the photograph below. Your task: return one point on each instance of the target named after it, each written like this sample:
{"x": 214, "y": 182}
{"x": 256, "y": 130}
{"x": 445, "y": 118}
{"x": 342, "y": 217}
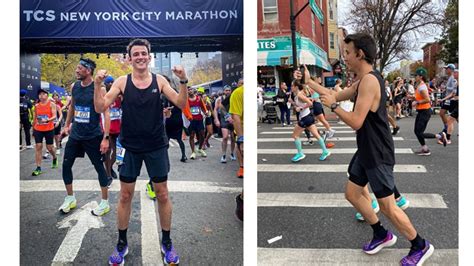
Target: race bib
{"x": 120, "y": 151}
{"x": 115, "y": 114}
{"x": 447, "y": 102}
{"x": 82, "y": 114}
{"x": 42, "y": 119}
{"x": 195, "y": 110}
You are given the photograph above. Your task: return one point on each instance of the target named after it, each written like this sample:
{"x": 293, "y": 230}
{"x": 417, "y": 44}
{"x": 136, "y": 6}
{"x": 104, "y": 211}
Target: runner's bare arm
{"x": 53, "y": 110}
{"x": 102, "y": 102}
{"x": 180, "y": 99}
{"x": 70, "y": 112}
{"x": 216, "y": 107}
{"x": 106, "y": 117}
{"x": 368, "y": 89}
{"x": 340, "y": 96}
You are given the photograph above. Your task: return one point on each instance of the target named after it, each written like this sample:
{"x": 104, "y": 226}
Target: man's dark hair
{"x": 364, "y": 42}
{"x": 88, "y": 63}
{"x": 138, "y": 42}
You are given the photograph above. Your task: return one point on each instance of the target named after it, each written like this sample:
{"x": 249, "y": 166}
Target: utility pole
{"x": 293, "y": 32}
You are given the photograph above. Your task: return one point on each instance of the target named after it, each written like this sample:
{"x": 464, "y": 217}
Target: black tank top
{"x": 374, "y": 139}
{"x": 86, "y": 120}
{"x": 142, "y": 128}
{"x": 226, "y": 103}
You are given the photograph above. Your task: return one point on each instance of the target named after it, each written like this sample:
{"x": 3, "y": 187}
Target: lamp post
{"x": 293, "y": 32}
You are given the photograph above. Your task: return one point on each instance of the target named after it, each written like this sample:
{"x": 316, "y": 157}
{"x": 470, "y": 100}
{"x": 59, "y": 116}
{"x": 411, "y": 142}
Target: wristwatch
{"x": 185, "y": 81}
{"x": 107, "y": 137}
{"x": 334, "y": 106}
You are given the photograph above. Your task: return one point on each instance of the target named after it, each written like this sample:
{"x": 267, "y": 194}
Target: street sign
{"x": 317, "y": 11}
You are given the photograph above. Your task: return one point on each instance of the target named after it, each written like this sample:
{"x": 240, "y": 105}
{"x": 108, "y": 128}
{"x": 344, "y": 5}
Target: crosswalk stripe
{"x": 338, "y": 200}
{"x": 319, "y": 151}
{"x": 291, "y": 132}
{"x": 331, "y": 168}
{"x": 331, "y": 139}
{"x": 335, "y": 127}
{"x": 355, "y": 257}
{"x": 93, "y": 185}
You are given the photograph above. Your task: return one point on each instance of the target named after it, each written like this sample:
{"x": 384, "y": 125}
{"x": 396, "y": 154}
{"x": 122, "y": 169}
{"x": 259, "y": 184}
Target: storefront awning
{"x": 277, "y": 51}
{"x": 275, "y": 57}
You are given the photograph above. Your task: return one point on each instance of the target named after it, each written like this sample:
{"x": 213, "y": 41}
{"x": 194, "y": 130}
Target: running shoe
{"x": 109, "y": 181}
{"x": 330, "y": 133}
{"x": 118, "y": 256}
{"x": 150, "y": 192}
{"x": 418, "y": 257}
{"x": 202, "y": 153}
{"x": 58, "y": 151}
{"x": 403, "y": 203}
{"x": 376, "y": 245}
{"x": 308, "y": 143}
{"x": 444, "y": 139}
{"x": 29, "y": 147}
{"x": 232, "y": 157}
{"x": 239, "y": 208}
{"x": 284, "y": 124}
{"x": 170, "y": 256}
{"x": 375, "y": 206}
{"x": 325, "y": 155}
{"x": 193, "y": 156}
{"x": 223, "y": 159}
{"x": 68, "y": 204}
{"x": 423, "y": 152}
{"x": 395, "y": 130}
{"x": 114, "y": 174}
{"x": 102, "y": 209}
{"x": 46, "y": 155}
{"x": 37, "y": 172}
{"x": 55, "y": 163}
{"x": 298, "y": 157}
{"x": 240, "y": 172}
{"x": 184, "y": 159}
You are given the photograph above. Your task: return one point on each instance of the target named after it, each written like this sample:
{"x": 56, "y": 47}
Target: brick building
{"x": 274, "y": 39}
{"x": 434, "y": 66}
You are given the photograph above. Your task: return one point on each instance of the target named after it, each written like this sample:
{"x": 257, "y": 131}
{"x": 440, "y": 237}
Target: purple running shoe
{"x": 170, "y": 255}
{"x": 378, "y": 244}
{"x": 118, "y": 257}
{"x": 418, "y": 257}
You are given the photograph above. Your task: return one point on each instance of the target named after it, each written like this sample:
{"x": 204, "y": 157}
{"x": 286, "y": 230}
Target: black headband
{"x": 86, "y": 64}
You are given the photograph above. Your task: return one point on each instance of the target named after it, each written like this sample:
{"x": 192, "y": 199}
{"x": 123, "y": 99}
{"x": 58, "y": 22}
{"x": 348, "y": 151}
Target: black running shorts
{"x": 40, "y": 135}
{"x": 306, "y": 121}
{"x": 380, "y": 178}
{"x": 157, "y": 165}
{"x": 317, "y": 108}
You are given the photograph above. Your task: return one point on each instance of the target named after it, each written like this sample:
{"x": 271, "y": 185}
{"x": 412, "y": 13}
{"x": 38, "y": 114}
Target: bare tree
{"x": 396, "y": 25}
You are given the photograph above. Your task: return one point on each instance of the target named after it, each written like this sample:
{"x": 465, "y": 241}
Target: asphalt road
{"x": 317, "y": 225}
{"x": 204, "y": 228}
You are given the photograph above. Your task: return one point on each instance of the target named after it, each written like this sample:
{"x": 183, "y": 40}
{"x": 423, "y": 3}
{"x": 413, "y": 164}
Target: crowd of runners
{"x": 124, "y": 121}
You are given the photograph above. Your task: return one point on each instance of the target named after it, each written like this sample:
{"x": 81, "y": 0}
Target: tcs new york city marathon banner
{"x": 129, "y": 18}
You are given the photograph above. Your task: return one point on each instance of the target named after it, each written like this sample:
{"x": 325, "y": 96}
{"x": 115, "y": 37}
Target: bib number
{"x": 115, "y": 114}
{"x": 447, "y": 102}
{"x": 42, "y": 119}
{"x": 82, "y": 114}
{"x": 120, "y": 151}
{"x": 195, "y": 110}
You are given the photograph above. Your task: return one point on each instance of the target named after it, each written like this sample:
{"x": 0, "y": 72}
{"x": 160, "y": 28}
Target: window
{"x": 313, "y": 26}
{"x": 331, "y": 40}
{"x": 331, "y": 10}
{"x": 270, "y": 10}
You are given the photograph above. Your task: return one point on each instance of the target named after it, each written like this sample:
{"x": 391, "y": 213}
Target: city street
{"x": 204, "y": 228}
{"x": 304, "y": 202}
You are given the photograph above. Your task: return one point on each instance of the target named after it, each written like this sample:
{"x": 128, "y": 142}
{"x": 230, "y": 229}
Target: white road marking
{"x": 331, "y": 168}
{"x": 319, "y": 151}
{"x": 338, "y": 200}
{"x": 331, "y": 139}
{"x": 291, "y": 132}
{"x": 274, "y": 239}
{"x": 291, "y": 127}
{"x": 93, "y": 185}
{"x": 347, "y": 257}
{"x": 71, "y": 244}
{"x": 151, "y": 254}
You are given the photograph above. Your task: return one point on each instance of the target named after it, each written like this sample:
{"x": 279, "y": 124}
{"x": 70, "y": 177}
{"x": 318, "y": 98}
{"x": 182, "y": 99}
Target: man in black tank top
{"x": 143, "y": 137}
{"x": 374, "y": 160}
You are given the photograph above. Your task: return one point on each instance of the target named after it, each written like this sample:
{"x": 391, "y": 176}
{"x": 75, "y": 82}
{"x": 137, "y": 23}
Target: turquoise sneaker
{"x": 298, "y": 157}
{"x": 324, "y": 155}
{"x": 403, "y": 203}
{"x": 375, "y": 206}
{"x": 102, "y": 209}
